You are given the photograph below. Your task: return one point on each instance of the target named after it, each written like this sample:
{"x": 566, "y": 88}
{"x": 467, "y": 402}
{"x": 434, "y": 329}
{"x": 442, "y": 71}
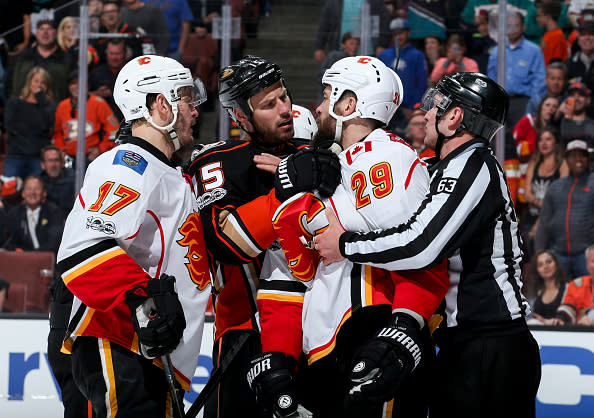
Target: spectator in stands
{"x": 36, "y": 224}
{"x": 57, "y": 179}
{"x": 575, "y": 122}
{"x": 137, "y": 43}
{"x": 101, "y": 124}
{"x": 150, "y": 20}
{"x": 481, "y": 44}
{"x": 349, "y": 45}
{"x": 415, "y": 133}
{"x": 95, "y": 10}
{"x": 526, "y": 130}
{"x": 48, "y": 55}
{"x": 553, "y": 43}
{"x": 556, "y": 81}
{"x": 433, "y": 51}
{"x": 102, "y": 78}
{"x": 565, "y": 224}
{"x": 524, "y": 69}
{"x": 12, "y": 15}
{"x": 201, "y": 57}
{"x": 545, "y": 166}
{"x": 549, "y": 286}
{"x": 472, "y": 7}
{"x": 336, "y": 19}
{"x": 4, "y": 285}
{"x": 67, "y": 39}
{"x": 29, "y": 120}
{"x": 580, "y": 66}
{"x": 179, "y": 20}
{"x": 577, "y": 306}
{"x": 534, "y": 32}
{"x": 455, "y": 60}
{"x": 412, "y": 68}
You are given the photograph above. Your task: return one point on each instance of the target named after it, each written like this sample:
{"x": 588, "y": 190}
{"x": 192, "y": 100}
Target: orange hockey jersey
{"x": 101, "y": 125}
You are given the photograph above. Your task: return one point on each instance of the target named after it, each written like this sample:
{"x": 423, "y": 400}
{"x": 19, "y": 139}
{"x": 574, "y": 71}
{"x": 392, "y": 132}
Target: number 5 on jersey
{"x": 126, "y": 196}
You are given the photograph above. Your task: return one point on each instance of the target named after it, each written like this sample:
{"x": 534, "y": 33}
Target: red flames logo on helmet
{"x": 396, "y": 97}
{"x": 364, "y": 60}
{"x": 196, "y": 264}
{"x": 144, "y": 60}
{"x": 296, "y": 113}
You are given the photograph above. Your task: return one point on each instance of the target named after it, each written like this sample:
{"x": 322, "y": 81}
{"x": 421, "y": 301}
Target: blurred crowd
{"x": 549, "y": 135}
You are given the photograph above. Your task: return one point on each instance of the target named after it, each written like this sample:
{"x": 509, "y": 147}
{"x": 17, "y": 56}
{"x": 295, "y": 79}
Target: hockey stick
{"x": 216, "y": 377}
{"x": 170, "y": 377}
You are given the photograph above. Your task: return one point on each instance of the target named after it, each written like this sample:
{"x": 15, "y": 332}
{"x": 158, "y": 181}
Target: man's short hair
{"x": 47, "y": 148}
{"x": 552, "y": 9}
{"x": 558, "y": 65}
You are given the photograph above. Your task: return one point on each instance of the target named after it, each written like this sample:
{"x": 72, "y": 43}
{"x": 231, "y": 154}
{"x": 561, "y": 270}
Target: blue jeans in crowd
{"x": 573, "y": 265}
{"x": 21, "y": 167}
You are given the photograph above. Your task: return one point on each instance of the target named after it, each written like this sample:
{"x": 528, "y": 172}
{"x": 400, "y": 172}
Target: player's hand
{"x": 327, "y": 243}
{"x": 271, "y": 381}
{"x": 267, "y": 162}
{"x": 307, "y": 170}
{"x": 383, "y": 364}
{"x": 157, "y": 316}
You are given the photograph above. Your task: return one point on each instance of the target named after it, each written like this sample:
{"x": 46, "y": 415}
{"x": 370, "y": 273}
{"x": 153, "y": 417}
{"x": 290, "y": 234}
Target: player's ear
{"x": 243, "y": 120}
{"x": 162, "y": 106}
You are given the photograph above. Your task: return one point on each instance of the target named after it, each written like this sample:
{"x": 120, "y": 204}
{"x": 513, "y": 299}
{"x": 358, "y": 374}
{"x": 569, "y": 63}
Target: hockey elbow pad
{"x": 157, "y": 316}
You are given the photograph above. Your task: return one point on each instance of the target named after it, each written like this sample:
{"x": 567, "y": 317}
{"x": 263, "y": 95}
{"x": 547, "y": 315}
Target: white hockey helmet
{"x": 154, "y": 74}
{"x": 304, "y": 123}
{"x": 378, "y": 88}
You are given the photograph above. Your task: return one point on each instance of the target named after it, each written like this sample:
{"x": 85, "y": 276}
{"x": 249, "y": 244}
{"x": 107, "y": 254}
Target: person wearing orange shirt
{"x": 100, "y": 127}
{"x": 553, "y": 44}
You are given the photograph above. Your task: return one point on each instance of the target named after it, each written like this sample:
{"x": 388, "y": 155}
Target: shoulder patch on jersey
{"x": 132, "y": 160}
{"x": 356, "y": 150}
{"x": 199, "y": 151}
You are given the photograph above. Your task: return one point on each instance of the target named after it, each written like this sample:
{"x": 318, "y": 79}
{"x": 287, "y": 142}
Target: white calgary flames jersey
{"x": 383, "y": 183}
{"x": 135, "y": 218}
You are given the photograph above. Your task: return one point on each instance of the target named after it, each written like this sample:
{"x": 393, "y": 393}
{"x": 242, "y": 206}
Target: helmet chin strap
{"x": 339, "y": 121}
{"x": 169, "y": 128}
{"x": 441, "y": 137}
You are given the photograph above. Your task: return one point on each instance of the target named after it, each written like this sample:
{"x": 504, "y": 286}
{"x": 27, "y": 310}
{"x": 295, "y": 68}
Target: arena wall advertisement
{"x": 28, "y": 389}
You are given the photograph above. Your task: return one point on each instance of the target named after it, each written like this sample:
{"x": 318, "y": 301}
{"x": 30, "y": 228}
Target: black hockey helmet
{"x": 485, "y": 102}
{"x": 245, "y": 78}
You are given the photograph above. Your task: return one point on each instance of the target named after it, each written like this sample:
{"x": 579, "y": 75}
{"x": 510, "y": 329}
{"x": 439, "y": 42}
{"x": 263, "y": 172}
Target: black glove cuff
{"x": 264, "y": 364}
{"x": 404, "y": 335}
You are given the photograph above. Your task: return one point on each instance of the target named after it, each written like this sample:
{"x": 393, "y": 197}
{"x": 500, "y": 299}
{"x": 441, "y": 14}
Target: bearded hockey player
{"x": 237, "y": 201}
{"x": 364, "y": 331}
{"x": 133, "y": 251}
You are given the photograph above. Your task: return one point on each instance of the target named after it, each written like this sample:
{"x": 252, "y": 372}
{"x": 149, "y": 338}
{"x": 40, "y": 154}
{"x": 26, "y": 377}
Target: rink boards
{"x": 28, "y": 389}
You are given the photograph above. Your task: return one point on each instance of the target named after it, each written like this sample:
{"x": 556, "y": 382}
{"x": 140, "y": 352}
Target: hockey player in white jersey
{"x": 364, "y": 331}
{"x": 133, "y": 251}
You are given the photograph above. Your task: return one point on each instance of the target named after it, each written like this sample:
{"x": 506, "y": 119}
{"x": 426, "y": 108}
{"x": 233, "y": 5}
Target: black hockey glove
{"x": 306, "y": 170}
{"x": 384, "y": 363}
{"x": 157, "y": 316}
{"x": 271, "y": 381}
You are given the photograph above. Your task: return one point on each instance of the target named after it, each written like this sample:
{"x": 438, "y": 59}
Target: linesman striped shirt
{"x": 468, "y": 217}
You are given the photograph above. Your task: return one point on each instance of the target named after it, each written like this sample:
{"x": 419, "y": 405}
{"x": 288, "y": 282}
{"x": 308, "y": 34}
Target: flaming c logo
{"x": 289, "y": 226}
{"x": 193, "y": 239}
{"x": 296, "y": 114}
{"x": 364, "y": 60}
{"x": 144, "y": 60}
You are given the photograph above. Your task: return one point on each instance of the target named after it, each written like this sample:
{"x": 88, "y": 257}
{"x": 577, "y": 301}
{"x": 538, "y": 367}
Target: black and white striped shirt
{"x": 468, "y": 217}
